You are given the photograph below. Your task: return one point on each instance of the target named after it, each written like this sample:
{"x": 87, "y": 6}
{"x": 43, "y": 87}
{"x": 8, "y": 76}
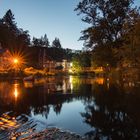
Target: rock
{"x": 54, "y": 134}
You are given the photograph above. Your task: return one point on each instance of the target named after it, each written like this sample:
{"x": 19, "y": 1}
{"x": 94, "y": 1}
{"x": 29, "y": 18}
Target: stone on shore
{"x": 54, "y": 134}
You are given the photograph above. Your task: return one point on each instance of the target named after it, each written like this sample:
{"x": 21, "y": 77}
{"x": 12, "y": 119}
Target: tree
{"x": 68, "y": 54}
{"x": 103, "y": 56}
{"x": 106, "y": 32}
{"x": 128, "y": 54}
{"x": 36, "y": 42}
{"x": 85, "y": 59}
{"x": 45, "y": 41}
{"x": 56, "y": 43}
{"x": 8, "y": 30}
{"x": 15, "y": 39}
{"x": 12, "y": 37}
{"x": 23, "y": 41}
{"x": 81, "y": 60}
{"x": 9, "y": 21}
{"x": 41, "y": 42}
{"x": 76, "y": 63}
{"x": 106, "y": 19}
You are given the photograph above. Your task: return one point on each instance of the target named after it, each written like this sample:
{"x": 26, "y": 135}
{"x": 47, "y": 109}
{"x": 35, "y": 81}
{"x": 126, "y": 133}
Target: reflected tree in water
{"x": 114, "y": 114}
{"x": 111, "y": 111}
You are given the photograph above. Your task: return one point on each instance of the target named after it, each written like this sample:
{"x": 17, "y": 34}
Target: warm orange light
{"x": 16, "y": 61}
{"x": 99, "y": 81}
{"x": 16, "y": 92}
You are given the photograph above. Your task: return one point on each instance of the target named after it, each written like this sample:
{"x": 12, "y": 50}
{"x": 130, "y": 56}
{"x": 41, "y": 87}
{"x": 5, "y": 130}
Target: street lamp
{"x": 16, "y": 61}
{"x": 16, "y": 66}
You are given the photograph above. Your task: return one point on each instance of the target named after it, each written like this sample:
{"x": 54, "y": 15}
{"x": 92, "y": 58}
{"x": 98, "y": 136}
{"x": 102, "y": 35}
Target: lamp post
{"x": 16, "y": 62}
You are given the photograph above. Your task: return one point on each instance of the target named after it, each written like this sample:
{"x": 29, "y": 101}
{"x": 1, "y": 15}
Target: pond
{"x": 87, "y": 106}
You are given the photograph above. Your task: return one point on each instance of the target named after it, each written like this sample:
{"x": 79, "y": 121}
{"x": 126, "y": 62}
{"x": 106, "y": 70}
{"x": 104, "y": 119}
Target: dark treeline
{"x": 18, "y": 41}
{"x": 11, "y": 37}
{"x": 40, "y": 48}
{"x": 113, "y": 35}
{"x": 112, "y": 38}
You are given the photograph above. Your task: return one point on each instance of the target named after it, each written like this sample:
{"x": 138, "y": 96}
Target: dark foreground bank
{"x": 55, "y": 134}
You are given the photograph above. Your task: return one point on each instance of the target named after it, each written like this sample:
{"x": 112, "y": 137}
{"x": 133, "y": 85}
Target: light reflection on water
{"x": 16, "y": 90}
{"x": 91, "y": 106}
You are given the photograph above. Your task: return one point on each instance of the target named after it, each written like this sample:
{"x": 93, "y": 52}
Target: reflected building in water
{"x": 108, "y": 110}
{"x": 51, "y": 84}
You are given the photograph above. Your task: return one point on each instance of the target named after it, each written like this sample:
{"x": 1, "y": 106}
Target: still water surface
{"x": 87, "y": 106}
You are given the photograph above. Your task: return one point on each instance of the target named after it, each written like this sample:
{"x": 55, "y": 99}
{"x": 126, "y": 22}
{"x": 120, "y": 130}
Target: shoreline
{"x": 55, "y": 134}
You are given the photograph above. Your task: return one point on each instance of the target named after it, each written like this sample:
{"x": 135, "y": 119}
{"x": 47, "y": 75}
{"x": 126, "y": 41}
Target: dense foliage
{"x": 12, "y": 37}
{"x": 18, "y": 42}
{"x": 113, "y": 32}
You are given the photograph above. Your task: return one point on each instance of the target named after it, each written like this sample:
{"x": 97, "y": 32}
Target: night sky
{"x": 56, "y": 18}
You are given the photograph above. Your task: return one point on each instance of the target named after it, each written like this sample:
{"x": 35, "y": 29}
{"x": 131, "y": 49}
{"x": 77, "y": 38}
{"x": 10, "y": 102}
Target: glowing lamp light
{"x": 71, "y": 64}
{"x": 70, "y": 70}
{"x": 16, "y": 61}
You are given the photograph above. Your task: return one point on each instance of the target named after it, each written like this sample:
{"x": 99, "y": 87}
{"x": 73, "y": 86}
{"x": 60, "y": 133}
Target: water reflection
{"x": 16, "y": 91}
{"x": 7, "y": 122}
{"x": 9, "y": 92}
{"x": 71, "y": 82}
{"x": 102, "y": 107}
{"x": 28, "y": 84}
{"x": 116, "y": 116}
{"x": 63, "y": 84}
{"x": 100, "y": 80}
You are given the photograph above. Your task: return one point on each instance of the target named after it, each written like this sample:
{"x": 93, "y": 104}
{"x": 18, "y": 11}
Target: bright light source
{"x": 15, "y": 61}
{"x": 70, "y": 70}
{"x": 71, "y": 64}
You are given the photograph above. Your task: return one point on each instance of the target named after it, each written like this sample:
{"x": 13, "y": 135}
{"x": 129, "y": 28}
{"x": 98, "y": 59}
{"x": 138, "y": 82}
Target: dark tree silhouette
{"x": 9, "y": 20}
{"x": 45, "y": 40}
{"x": 56, "y": 43}
{"x": 106, "y": 31}
{"x": 106, "y": 20}
{"x": 12, "y": 37}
